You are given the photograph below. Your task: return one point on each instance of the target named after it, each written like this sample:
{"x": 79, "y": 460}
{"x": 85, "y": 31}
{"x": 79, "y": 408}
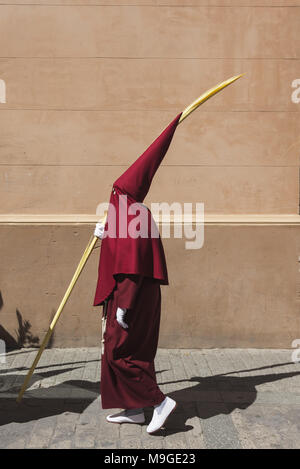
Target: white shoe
{"x": 160, "y": 414}
{"x": 127, "y": 416}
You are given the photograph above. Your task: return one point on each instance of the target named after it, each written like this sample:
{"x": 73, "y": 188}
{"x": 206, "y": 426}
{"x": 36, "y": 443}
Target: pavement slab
{"x": 227, "y": 398}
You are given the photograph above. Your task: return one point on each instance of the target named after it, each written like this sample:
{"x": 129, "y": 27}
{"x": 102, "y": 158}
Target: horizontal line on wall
{"x": 159, "y": 5}
{"x": 144, "y": 110}
{"x": 96, "y": 165}
{"x": 115, "y": 57}
{"x": 210, "y": 219}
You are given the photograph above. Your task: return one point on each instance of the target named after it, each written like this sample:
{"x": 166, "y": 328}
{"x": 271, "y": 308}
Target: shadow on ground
{"x": 69, "y": 396}
{"x": 210, "y": 396}
{"x": 215, "y": 395}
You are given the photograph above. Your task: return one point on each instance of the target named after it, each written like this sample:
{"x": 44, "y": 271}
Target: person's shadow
{"x": 215, "y": 395}
{"x": 210, "y": 396}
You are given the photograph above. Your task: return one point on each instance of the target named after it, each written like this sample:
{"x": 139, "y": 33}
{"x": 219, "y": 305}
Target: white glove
{"x": 120, "y": 317}
{"x": 99, "y": 230}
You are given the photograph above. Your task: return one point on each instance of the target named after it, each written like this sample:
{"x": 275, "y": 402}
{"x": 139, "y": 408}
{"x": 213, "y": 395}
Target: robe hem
{"x": 135, "y": 406}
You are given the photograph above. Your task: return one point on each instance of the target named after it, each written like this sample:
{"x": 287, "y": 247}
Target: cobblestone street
{"x": 226, "y": 398}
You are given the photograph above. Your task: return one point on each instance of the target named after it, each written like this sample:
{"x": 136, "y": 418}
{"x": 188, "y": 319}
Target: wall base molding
{"x": 209, "y": 219}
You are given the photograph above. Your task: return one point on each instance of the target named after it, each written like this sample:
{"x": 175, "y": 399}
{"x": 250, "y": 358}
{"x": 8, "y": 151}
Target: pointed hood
{"x": 136, "y": 180}
{"x": 143, "y": 256}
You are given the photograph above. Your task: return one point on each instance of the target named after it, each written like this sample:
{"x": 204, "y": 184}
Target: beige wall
{"x": 240, "y": 290}
{"x": 89, "y": 85}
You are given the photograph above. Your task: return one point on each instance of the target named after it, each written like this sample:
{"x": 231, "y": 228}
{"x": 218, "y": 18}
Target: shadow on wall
{"x": 23, "y": 335}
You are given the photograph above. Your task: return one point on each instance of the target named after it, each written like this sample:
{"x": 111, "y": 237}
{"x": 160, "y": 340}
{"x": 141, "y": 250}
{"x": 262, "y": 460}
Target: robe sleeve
{"x": 127, "y": 289}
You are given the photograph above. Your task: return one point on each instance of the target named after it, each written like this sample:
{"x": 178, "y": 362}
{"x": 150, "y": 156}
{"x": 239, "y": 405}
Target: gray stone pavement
{"x": 227, "y": 398}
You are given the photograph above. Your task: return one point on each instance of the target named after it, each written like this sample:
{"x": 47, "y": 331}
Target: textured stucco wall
{"x": 88, "y": 85}
{"x": 239, "y": 290}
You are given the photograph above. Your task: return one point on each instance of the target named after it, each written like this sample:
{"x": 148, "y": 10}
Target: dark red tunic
{"x": 127, "y": 370}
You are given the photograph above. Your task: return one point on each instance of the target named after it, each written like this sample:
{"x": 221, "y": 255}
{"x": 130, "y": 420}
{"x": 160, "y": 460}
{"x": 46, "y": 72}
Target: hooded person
{"x": 132, "y": 267}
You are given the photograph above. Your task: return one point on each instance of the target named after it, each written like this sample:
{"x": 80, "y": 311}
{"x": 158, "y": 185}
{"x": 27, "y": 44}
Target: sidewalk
{"x": 226, "y": 398}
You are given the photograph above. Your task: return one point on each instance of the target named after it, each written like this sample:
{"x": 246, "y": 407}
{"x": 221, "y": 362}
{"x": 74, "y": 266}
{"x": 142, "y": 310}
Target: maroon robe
{"x": 131, "y": 270}
{"x": 127, "y": 369}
